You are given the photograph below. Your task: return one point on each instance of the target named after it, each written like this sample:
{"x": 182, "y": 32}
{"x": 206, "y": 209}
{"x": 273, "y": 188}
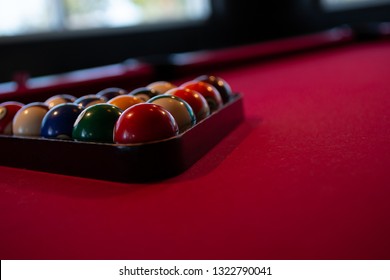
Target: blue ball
{"x": 110, "y": 93}
{"x": 89, "y": 100}
{"x": 58, "y": 122}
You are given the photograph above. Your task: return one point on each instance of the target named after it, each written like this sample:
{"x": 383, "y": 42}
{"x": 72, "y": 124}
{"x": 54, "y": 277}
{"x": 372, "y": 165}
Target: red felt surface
{"x": 306, "y": 176}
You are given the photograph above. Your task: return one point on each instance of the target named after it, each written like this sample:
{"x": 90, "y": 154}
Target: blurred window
{"x": 18, "y": 17}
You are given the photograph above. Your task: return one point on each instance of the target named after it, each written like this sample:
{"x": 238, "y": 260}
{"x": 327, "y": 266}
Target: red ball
{"x": 8, "y": 111}
{"x": 220, "y": 84}
{"x": 209, "y": 92}
{"x": 144, "y": 122}
{"x": 197, "y": 102}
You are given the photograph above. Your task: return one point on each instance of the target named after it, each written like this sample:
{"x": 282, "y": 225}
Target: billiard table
{"x": 305, "y": 175}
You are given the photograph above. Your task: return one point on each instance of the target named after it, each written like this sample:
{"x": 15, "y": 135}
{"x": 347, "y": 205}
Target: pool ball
{"x": 110, "y": 93}
{"x": 28, "y": 120}
{"x": 209, "y": 92}
{"x": 144, "y": 122}
{"x": 197, "y": 102}
{"x": 96, "y": 123}
{"x": 180, "y": 110}
{"x": 58, "y": 122}
{"x": 144, "y": 93}
{"x": 89, "y": 100}
{"x": 59, "y": 99}
{"x": 220, "y": 84}
{"x": 8, "y": 111}
{"x": 125, "y": 101}
{"x": 161, "y": 86}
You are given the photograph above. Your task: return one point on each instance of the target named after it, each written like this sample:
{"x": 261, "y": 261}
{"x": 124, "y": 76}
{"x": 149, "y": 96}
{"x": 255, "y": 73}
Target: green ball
{"x": 96, "y": 123}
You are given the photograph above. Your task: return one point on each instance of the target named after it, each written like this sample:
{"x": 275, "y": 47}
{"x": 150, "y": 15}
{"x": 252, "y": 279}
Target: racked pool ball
{"x": 161, "y": 86}
{"x": 180, "y": 110}
{"x": 96, "y": 123}
{"x": 110, "y": 93}
{"x": 209, "y": 92}
{"x": 125, "y": 101}
{"x": 89, "y": 100}
{"x": 144, "y": 122}
{"x": 8, "y": 111}
{"x": 28, "y": 120}
{"x": 197, "y": 102}
{"x": 220, "y": 84}
{"x": 59, "y": 99}
{"x": 144, "y": 93}
{"x": 58, "y": 122}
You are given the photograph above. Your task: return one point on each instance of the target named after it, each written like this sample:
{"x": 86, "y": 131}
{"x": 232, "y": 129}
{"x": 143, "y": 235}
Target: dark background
{"x": 232, "y": 23}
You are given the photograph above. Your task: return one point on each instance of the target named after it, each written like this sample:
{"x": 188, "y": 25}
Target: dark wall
{"x": 234, "y": 22}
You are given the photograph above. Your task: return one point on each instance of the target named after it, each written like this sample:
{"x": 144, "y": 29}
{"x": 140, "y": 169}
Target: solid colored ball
{"x": 161, "y": 86}
{"x": 143, "y": 123}
{"x": 180, "y": 110}
{"x": 209, "y": 92}
{"x": 197, "y": 102}
{"x": 220, "y": 84}
{"x": 144, "y": 93}
{"x": 28, "y": 120}
{"x": 59, "y": 99}
{"x": 125, "y": 101}
{"x": 96, "y": 123}
{"x": 89, "y": 100}
{"x": 8, "y": 111}
{"x": 58, "y": 122}
{"x": 110, "y": 93}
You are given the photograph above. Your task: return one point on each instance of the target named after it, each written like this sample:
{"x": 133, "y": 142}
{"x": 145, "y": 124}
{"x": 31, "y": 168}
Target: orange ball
{"x": 124, "y": 101}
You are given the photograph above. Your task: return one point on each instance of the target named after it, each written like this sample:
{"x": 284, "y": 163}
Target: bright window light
{"x": 18, "y": 17}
